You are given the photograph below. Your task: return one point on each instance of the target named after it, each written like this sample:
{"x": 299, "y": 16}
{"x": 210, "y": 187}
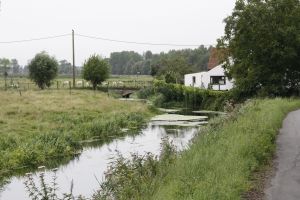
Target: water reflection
{"x": 90, "y": 165}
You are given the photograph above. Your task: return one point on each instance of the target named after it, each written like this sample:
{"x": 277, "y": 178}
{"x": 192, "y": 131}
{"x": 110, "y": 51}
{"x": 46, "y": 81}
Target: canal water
{"x": 86, "y": 171}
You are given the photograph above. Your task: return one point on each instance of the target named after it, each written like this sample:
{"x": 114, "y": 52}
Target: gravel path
{"x": 285, "y": 184}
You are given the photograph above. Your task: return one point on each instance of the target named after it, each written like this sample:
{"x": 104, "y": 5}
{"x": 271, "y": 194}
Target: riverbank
{"x": 221, "y": 162}
{"x": 46, "y": 127}
{"x": 88, "y": 169}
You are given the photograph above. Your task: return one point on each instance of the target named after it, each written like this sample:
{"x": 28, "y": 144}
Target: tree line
{"x": 11, "y": 67}
{"x": 132, "y": 63}
{"x": 176, "y": 62}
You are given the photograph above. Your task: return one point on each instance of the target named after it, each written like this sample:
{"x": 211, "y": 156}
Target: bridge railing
{"x": 126, "y": 84}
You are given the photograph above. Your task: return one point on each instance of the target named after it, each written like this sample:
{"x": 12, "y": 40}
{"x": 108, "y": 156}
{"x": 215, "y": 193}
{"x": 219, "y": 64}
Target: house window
{"x": 218, "y": 80}
{"x": 194, "y": 80}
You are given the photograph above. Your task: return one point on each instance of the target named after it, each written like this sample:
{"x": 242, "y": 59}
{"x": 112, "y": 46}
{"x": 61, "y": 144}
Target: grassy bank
{"x": 41, "y": 126}
{"x": 220, "y": 162}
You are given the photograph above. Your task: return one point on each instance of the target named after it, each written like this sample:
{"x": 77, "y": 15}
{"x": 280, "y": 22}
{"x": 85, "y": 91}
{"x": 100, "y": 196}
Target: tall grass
{"x": 220, "y": 161}
{"x": 132, "y": 178}
{"x": 41, "y": 126}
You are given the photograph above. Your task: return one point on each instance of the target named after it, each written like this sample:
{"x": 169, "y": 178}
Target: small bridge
{"x": 125, "y": 93}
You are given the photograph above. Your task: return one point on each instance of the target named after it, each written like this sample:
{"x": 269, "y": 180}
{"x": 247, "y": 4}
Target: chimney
{"x": 213, "y": 59}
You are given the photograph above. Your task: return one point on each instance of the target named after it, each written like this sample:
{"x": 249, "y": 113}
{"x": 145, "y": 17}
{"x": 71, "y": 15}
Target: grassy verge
{"x": 41, "y": 126}
{"x": 222, "y": 159}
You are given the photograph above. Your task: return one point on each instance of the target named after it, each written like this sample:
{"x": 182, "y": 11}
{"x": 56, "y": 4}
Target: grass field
{"x": 43, "y": 125}
{"x": 219, "y": 164}
{"x": 25, "y": 83}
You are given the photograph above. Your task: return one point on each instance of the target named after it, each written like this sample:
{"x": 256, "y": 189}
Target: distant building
{"x": 214, "y": 79}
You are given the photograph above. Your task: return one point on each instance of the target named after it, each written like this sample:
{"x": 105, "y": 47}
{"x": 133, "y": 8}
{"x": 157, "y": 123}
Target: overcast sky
{"x": 156, "y": 21}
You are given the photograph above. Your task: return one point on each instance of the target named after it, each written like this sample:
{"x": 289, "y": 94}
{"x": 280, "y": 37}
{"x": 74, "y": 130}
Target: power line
{"x": 103, "y": 39}
{"x": 139, "y": 43}
{"x": 34, "y": 39}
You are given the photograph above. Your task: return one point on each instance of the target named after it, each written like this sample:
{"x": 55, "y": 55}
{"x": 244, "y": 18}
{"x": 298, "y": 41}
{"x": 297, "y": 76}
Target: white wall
{"x": 188, "y": 79}
{"x": 203, "y": 79}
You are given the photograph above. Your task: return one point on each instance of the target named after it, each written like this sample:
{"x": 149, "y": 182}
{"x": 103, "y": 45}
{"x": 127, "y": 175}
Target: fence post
{"x": 57, "y": 84}
{"x": 70, "y": 86}
{"x": 107, "y": 88}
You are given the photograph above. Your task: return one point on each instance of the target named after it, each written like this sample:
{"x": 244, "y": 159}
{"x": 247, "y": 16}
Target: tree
{"x": 122, "y": 62}
{"x": 173, "y": 68}
{"x": 96, "y": 70}
{"x": 130, "y": 62}
{"x": 4, "y": 65}
{"x": 16, "y": 69}
{"x": 43, "y": 69}
{"x": 64, "y": 67}
{"x": 4, "y": 68}
{"x": 148, "y": 55}
{"x": 262, "y": 43}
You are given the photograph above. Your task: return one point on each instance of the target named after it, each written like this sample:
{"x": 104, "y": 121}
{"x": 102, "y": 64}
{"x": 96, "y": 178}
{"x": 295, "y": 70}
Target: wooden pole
{"x": 73, "y": 51}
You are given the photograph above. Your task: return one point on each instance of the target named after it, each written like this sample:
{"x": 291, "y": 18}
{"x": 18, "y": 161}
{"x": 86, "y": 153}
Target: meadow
{"x": 24, "y": 83}
{"x": 39, "y": 126}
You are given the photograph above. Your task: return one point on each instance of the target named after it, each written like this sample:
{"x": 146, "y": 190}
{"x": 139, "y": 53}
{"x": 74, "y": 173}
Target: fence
{"x": 80, "y": 84}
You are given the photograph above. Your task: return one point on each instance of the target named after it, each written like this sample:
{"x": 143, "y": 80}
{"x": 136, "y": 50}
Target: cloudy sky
{"x": 192, "y": 22}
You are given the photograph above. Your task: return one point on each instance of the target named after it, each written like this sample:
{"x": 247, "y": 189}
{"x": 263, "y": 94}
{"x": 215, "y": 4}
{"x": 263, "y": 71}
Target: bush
{"x": 43, "y": 69}
{"x": 159, "y": 100}
{"x": 96, "y": 70}
{"x": 166, "y": 95}
{"x": 145, "y": 92}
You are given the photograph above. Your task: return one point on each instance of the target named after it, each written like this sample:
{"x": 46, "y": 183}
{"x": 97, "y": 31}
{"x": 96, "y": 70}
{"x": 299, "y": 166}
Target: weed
{"x": 47, "y": 191}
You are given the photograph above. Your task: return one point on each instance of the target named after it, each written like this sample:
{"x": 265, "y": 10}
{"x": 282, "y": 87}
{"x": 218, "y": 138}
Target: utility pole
{"x": 73, "y": 48}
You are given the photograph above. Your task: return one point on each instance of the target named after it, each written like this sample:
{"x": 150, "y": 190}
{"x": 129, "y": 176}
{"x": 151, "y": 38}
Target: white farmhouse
{"x": 214, "y": 78}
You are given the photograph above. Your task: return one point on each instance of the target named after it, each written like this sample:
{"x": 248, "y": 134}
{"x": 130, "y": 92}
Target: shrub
{"x": 43, "y": 69}
{"x": 166, "y": 94}
{"x": 145, "y": 92}
{"x": 159, "y": 100}
{"x": 96, "y": 70}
